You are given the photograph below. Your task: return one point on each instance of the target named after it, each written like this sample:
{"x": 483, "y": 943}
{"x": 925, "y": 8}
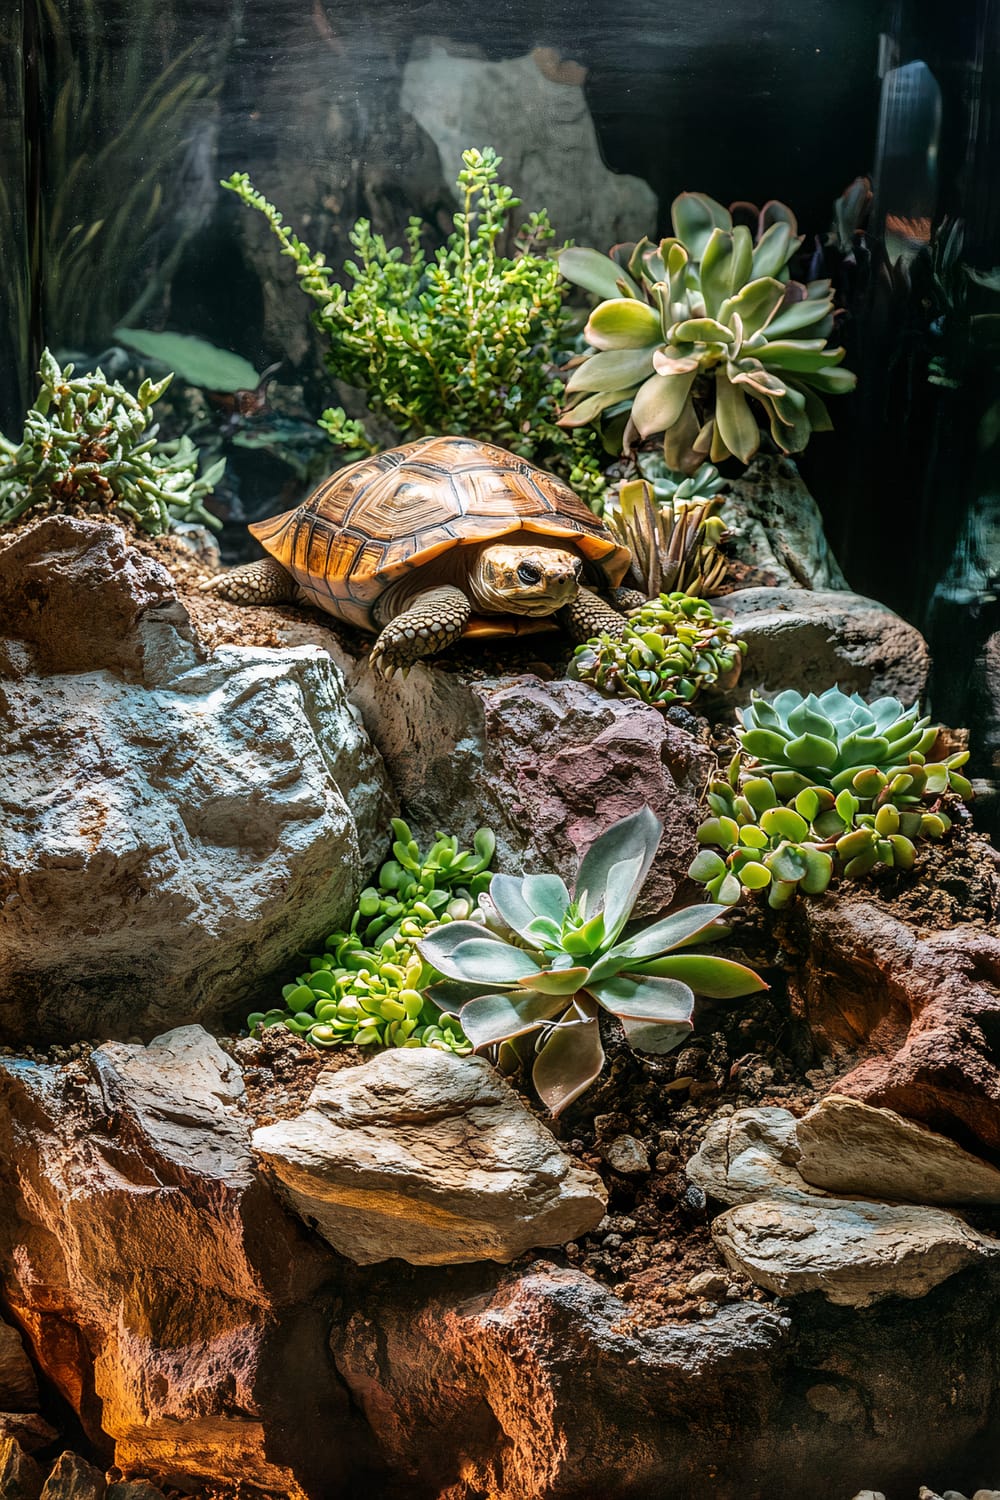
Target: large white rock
{"x": 177, "y": 824}
{"x": 431, "y": 1158}
{"x": 851, "y": 1147}
{"x": 751, "y": 1154}
{"x": 854, "y": 1252}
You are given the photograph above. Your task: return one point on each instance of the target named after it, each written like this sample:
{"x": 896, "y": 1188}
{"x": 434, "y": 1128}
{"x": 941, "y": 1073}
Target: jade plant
{"x": 671, "y": 648}
{"x": 562, "y": 958}
{"x": 370, "y": 984}
{"x": 675, "y": 543}
{"x": 463, "y": 341}
{"x": 823, "y": 786}
{"x": 88, "y": 442}
{"x": 698, "y": 334}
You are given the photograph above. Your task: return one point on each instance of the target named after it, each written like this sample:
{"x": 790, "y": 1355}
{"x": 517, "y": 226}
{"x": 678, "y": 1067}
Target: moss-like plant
{"x": 671, "y": 648}
{"x": 88, "y": 442}
{"x": 675, "y": 544}
{"x": 370, "y": 984}
{"x": 697, "y": 333}
{"x": 464, "y": 341}
{"x": 823, "y": 786}
{"x": 565, "y": 959}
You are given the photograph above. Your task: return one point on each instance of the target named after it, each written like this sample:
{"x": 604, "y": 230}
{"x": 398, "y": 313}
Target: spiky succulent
{"x": 671, "y": 648}
{"x": 675, "y": 544}
{"x": 694, "y": 329}
{"x": 823, "y": 786}
{"x": 88, "y": 442}
{"x": 370, "y": 985}
{"x": 565, "y": 958}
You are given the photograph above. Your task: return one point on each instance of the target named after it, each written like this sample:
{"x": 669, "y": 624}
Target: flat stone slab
{"x": 750, "y": 1154}
{"x": 847, "y": 1146}
{"x": 854, "y": 1252}
{"x": 431, "y": 1158}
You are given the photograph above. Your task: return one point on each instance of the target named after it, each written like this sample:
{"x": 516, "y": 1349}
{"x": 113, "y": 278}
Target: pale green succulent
{"x": 823, "y": 786}
{"x": 675, "y": 543}
{"x": 567, "y": 959}
{"x": 695, "y": 329}
{"x": 671, "y": 648}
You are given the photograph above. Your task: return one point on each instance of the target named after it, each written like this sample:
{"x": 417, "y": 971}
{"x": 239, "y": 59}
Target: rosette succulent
{"x": 370, "y": 985}
{"x": 565, "y": 958}
{"x": 671, "y": 648}
{"x": 697, "y": 333}
{"x": 823, "y": 786}
{"x": 674, "y": 544}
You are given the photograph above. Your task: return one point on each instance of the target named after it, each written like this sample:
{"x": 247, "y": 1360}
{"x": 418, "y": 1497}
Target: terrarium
{"x": 500, "y": 706}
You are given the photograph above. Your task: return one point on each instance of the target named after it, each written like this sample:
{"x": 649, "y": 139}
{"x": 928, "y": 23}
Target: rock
{"x": 854, "y": 1252}
{"x": 921, "y": 1011}
{"x": 72, "y": 1478}
{"x": 18, "y": 1387}
{"x": 20, "y": 1476}
{"x": 133, "y": 1489}
{"x": 778, "y": 529}
{"x": 626, "y": 1155}
{"x": 547, "y": 765}
{"x": 812, "y": 641}
{"x": 751, "y": 1154}
{"x": 431, "y": 1158}
{"x": 166, "y": 1294}
{"x": 78, "y": 598}
{"x": 850, "y": 1147}
{"x": 511, "y": 102}
{"x": 708, "y": 1284}
{"x": 29, "y": 1430}
{"x": 213, "y": 820}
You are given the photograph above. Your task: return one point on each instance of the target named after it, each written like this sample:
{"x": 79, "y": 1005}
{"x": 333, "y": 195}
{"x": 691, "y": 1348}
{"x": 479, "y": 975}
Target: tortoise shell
{"x": 368, "y": 525}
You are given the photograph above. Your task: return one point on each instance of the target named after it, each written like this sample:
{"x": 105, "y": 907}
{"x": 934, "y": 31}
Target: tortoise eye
{"x": 528, "y": 573}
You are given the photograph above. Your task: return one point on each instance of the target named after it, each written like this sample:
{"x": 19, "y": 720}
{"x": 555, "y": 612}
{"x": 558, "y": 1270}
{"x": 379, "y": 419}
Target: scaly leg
{"x": 261, "y": 582}
{"x": 431, "y": 621}
{"x": 626, "y": 599}
{"x": 589, "y": 615}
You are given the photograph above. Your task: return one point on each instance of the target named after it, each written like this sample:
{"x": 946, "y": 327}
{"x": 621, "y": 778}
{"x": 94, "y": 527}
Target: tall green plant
{"x": 462, "y": 341}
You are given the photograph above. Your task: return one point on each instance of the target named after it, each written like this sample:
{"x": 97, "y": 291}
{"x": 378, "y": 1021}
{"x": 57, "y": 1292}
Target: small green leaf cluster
{"x": 561, "y": 958}
{"x": 694, "y": 329}
{"x": 88, "y": 442}
{"x": 369, "y": 985}
{"x": 834, "y": 786}
{"x": 464, "y": 341}
{"x": 671, "y": 648}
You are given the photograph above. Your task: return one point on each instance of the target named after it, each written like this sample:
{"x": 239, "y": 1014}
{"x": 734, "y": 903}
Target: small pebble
{"x": 626, "y": 1155}
{"x": 709, "y": 1284}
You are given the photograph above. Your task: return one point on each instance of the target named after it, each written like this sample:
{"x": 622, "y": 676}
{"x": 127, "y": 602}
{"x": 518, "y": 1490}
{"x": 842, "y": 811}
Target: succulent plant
{"x": 694, "y": 329}
{"x": 674, "y": 544}
{"x": 370, "y": 985}
{"x": 564, "y": 958}
{"x": 835, "y": 786}
{"x": 671, "y": 648}
{"x": 88, "y": 442}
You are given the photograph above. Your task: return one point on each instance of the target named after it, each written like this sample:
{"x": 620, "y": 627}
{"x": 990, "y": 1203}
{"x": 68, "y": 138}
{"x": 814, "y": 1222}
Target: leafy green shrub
{"x": 88, "y": 442}
{"x": 671, "y": 648}
{"x": 369, "y": 986}
{"x": 694, "y": 329}
{"x": 462, "y": 342}
{"x": 823, "y": 786}
{"x": 564, "y": 959}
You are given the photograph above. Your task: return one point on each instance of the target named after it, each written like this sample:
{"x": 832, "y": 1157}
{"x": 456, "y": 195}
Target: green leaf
{"x": 568, "y": 1063}
{"x": 811, "y": 750}
{"x": 734, "y": 420}
{"x": 702, "y": 331}
{"x": 557, "y": 981}
{"x": 681, "y": 927}
{"x": 631, "y": 838}
{"x": 623, "y": 324}
{"x": 594, "y": 272}
{"x": 660, "y": 401}
{"x": 784, "y": 823}
{"x": 717, "y": 978}
{"x": 716, "y": 270}
{"x": 647, "y": 1036}
{"x": 613, "y": 370}
{"x": 819, "y": 871}
{"x": 483, "y": 960}
{"x": 753, "y": 304}
{"x": 773, "y": 250}
{"x": 694, "y": 216}
{"x": 789, "y": 863}
{"x": 546, "y": 896}
{"x": 707, "y": 865}
{"x": 441, "y": 943}
{"x": 505, "y": 893}
{"x": 753, "y": 875}
{"x": 195, "y": 360}
{"x": 645, "y": 998}
{"x": 490, "y": 1019}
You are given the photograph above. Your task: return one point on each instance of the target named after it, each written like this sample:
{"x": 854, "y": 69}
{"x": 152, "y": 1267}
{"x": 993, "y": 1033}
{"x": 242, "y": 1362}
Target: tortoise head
{"x": 524, "y": 580}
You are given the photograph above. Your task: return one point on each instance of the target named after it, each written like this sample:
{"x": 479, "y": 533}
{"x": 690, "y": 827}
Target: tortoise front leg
{"x": 432, "y": 620}
{"x": 626, "y": 599}
{"x": 589, "y": 615}
{"x": 261, "y": 582}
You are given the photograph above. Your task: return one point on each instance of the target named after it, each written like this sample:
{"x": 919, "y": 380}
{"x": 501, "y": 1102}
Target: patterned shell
{"x": 386, "y": 516}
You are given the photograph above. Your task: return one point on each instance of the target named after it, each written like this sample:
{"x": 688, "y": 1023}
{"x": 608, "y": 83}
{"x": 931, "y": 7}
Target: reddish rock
{"x": 167, "y": 1296}
{"x": 921, "y": 1012}
{"x": 80, "y": 598}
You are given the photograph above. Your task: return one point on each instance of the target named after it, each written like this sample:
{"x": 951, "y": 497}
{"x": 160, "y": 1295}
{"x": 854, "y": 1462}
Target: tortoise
{"x": 441, "y": 538}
